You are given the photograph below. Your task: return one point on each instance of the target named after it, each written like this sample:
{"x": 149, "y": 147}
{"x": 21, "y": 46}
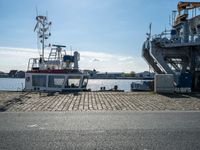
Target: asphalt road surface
{"x": 100, "y": 130}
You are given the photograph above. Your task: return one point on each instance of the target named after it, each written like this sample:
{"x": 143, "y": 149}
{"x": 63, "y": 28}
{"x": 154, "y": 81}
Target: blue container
{"x": 68, "y": 58}
{"x": 185, "y": 80}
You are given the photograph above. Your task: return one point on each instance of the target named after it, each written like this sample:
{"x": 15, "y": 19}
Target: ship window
{"x": 56, "y": 81}
{"x": 39, "y": 80}
{"x": 73, "y": 82}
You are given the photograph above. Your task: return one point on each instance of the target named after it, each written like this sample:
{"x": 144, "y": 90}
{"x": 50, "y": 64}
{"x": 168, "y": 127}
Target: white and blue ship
{"x": 58, "y": 72}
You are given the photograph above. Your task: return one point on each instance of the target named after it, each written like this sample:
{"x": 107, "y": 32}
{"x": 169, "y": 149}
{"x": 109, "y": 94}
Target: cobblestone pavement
{"x": 97, "y": 101}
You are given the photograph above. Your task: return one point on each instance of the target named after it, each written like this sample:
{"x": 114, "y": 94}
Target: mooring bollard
{"x": 115, "y": 87}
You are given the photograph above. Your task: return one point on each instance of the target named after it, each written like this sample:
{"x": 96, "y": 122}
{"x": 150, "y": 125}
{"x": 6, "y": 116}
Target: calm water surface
{"x": 14, "y": 84}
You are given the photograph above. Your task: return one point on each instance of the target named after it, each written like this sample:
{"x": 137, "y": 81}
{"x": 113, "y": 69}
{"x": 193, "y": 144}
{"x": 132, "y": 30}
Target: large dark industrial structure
{"x": 177, "y": 51}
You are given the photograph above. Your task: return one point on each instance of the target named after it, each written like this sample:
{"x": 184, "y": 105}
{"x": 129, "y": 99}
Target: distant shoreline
{"x": 10, "y": 78}
{"x": 125, "y": 78}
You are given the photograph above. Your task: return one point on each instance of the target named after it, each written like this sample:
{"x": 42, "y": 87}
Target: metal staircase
{"x": 149, "y": 58}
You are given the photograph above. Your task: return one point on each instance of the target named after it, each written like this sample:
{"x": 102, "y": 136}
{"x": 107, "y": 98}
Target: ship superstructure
{"x": 59, "y": 71}
{"x": 177, "y": 51}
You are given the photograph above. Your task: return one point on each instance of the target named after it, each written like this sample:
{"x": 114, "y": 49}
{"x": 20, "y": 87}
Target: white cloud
{"x": 17, "y": 58}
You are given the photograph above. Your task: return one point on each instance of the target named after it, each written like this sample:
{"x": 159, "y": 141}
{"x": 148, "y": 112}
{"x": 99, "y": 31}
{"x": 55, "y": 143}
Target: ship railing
{"x": 189, "y": 39}
{"x": 34, "y": 63}
{"x": 166, "y": 36}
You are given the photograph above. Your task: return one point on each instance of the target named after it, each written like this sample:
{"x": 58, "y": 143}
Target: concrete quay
{"x": 98, "y": 101}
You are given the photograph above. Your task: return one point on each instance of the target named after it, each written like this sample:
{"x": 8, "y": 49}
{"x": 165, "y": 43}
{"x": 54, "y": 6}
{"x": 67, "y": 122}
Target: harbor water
{"x": 16, "y": 84}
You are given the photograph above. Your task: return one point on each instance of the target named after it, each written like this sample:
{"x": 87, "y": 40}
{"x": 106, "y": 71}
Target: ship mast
{"x": 42, "y": 28}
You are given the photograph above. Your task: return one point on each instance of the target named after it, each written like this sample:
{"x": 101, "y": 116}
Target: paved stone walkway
{"x": 97, "y": 101}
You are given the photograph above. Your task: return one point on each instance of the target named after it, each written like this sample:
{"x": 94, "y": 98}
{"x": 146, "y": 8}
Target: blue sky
{"x": 96, "y": 28}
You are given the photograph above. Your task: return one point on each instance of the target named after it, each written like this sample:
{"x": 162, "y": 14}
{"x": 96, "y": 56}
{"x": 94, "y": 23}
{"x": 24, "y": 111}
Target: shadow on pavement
{"x": 175, "y": 95}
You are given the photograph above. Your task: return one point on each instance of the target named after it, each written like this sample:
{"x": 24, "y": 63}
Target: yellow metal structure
{"x": 187, "y": 5}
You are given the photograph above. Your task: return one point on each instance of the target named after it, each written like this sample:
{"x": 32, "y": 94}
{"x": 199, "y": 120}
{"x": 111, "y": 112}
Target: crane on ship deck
{"x": 185, "y": 6}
